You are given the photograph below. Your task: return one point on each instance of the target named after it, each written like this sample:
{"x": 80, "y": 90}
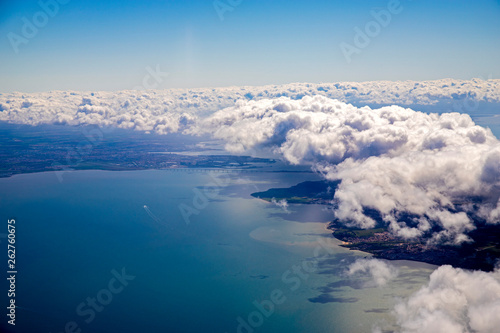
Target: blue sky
{"x": 107, "y": 45}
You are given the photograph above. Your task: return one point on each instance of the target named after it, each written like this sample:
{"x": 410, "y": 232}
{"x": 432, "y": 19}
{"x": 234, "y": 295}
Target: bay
{"x": 203, "y": 270}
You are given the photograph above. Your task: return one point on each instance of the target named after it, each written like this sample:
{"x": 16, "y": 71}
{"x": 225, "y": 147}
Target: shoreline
{"x": 383, "y": 245}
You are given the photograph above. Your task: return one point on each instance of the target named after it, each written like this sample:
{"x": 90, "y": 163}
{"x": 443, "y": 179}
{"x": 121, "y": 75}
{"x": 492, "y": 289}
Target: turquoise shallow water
{"x": 120, "y": 238}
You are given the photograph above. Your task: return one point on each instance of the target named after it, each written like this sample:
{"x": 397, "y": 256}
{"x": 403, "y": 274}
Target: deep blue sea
{"x": 112, "y": 252}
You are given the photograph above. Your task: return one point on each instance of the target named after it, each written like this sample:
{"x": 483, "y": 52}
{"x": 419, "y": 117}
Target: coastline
{"x": 383, "y": 245}
{"x": 481, "y": 254}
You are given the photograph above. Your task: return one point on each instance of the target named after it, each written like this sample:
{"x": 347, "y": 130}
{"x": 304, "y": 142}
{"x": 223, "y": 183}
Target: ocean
{"x": 183, "y": 251}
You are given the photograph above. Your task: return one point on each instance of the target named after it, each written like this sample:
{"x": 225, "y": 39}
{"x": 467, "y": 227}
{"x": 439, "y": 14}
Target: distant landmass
{"x": 482, "y": 253}
{"x": 27, "y": 149}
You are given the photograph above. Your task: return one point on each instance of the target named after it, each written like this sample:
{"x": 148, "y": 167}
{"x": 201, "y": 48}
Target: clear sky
{"x": 107, "y": 45}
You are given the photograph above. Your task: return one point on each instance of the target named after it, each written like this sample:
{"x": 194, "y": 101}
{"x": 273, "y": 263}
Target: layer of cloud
{"x": 454, "y": 301}
{"x": 376, "y": 272}
{"x": 166, "y": 111}
{"x": 421, "y": 172}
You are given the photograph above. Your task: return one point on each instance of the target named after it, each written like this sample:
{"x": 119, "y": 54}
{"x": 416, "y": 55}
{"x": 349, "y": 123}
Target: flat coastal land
{"x": 481, "y": 254}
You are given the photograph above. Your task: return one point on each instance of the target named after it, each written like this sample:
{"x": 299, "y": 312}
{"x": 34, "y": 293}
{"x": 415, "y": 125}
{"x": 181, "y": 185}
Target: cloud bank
{"x": 166, "y": 111}
{"x": 454, "y": 301}
{"x": 424, "y": 173}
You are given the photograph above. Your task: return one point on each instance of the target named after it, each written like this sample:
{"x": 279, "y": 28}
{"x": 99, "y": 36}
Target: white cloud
{"x": 167, "y": 111}
{"x": 377, "y": 271}
{"x": 427, "y": 168}
{"x": 454, "y": 300}
{"x": 283, "y": 204}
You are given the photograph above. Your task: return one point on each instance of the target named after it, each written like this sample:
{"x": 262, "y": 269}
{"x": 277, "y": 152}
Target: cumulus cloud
{"x": 377, "y": 272}
{"x": 454, "y": 300}
{"x": 283, "y": 204}
{"x": 423, "y": 173}
{"x": 166, "y": 111}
